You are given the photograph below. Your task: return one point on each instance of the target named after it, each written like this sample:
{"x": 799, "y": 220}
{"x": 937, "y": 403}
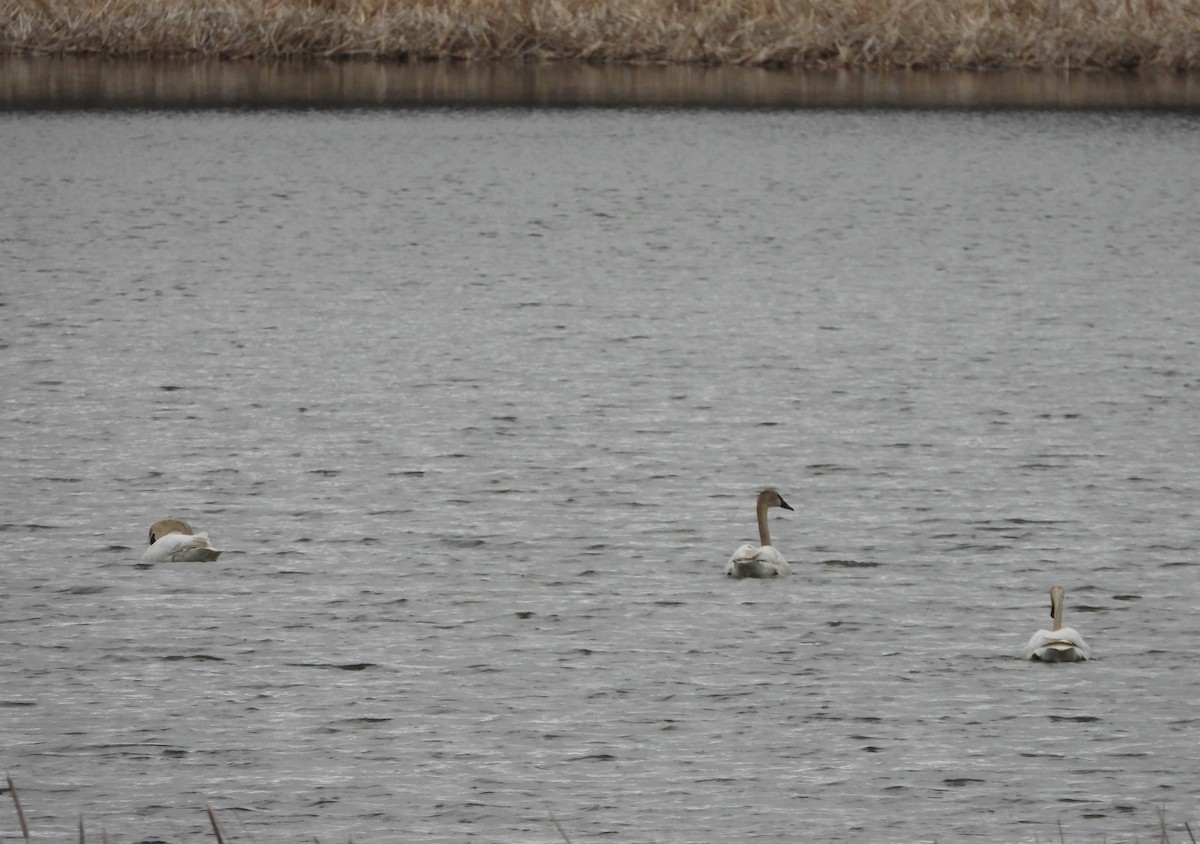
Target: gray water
{"x": 478, "y": 403}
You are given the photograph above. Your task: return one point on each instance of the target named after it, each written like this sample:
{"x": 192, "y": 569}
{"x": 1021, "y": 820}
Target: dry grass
{"x": 1108, "y": 34}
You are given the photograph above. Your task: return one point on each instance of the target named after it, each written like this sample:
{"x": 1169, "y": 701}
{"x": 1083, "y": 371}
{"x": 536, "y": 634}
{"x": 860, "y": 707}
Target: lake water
{"x": 478, "y": 402}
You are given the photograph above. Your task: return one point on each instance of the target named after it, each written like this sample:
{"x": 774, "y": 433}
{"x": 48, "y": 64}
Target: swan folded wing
{"x": 757, "y": 561}
{"x": 181, "y": 548}
{"x": 1063, "y": 645}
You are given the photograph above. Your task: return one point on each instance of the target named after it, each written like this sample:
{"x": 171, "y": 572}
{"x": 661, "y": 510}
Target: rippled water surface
{"x": 478, "y": 402}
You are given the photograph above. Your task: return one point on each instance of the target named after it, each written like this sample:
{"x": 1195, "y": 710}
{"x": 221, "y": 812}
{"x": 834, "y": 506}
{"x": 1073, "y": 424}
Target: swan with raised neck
{"x": 1058, "y": 644}
{"x": 763, "y": 560}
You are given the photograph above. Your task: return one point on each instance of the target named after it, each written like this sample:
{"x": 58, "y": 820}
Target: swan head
{"x": 164, "y": 526}
{"x": 1056, "y": 600}
{"x": 772, "y": 498}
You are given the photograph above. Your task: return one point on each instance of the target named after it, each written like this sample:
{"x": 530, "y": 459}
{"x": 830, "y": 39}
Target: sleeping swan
{"x": 763, "y": 560}
{"x": 172, "y": 541}
{"x": 1060, "y": 644}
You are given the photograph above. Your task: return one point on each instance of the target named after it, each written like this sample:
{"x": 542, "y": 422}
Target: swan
{"x": 173, "y": 541}
{"x": 1060, "y": 644}
{"x": 762, "y": 560}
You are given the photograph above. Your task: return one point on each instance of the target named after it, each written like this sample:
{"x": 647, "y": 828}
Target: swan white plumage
{"x": 173, "y": 541}
{"x": 1059, "y": 644}
{"x": 763, "y": 560}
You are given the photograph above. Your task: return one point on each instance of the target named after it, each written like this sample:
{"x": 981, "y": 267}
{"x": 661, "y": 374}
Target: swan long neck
{"x": 764, "y": 533}
{"x": 1056, "y": 607}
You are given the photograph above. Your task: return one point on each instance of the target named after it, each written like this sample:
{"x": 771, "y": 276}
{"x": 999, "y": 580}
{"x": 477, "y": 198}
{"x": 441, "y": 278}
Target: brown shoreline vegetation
{"x": 881, "y": 34}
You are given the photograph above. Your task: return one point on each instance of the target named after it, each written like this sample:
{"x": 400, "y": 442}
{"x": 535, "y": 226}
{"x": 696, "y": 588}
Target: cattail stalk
{"x": 12, "y": 789}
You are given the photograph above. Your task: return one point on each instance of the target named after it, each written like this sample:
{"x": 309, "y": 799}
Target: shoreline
{"x": 69, "y": 83}
{"x": 972, "y": 35}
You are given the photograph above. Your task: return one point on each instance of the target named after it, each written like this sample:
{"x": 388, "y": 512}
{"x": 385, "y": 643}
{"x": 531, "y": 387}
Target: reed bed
{"x": 958, "y": 34}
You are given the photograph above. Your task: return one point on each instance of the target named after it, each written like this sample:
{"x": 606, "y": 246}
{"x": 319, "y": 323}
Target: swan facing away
{"x": 762, "y": 560}
{"x": 172, "y": 541}
{"x": 1059, "y": 644}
